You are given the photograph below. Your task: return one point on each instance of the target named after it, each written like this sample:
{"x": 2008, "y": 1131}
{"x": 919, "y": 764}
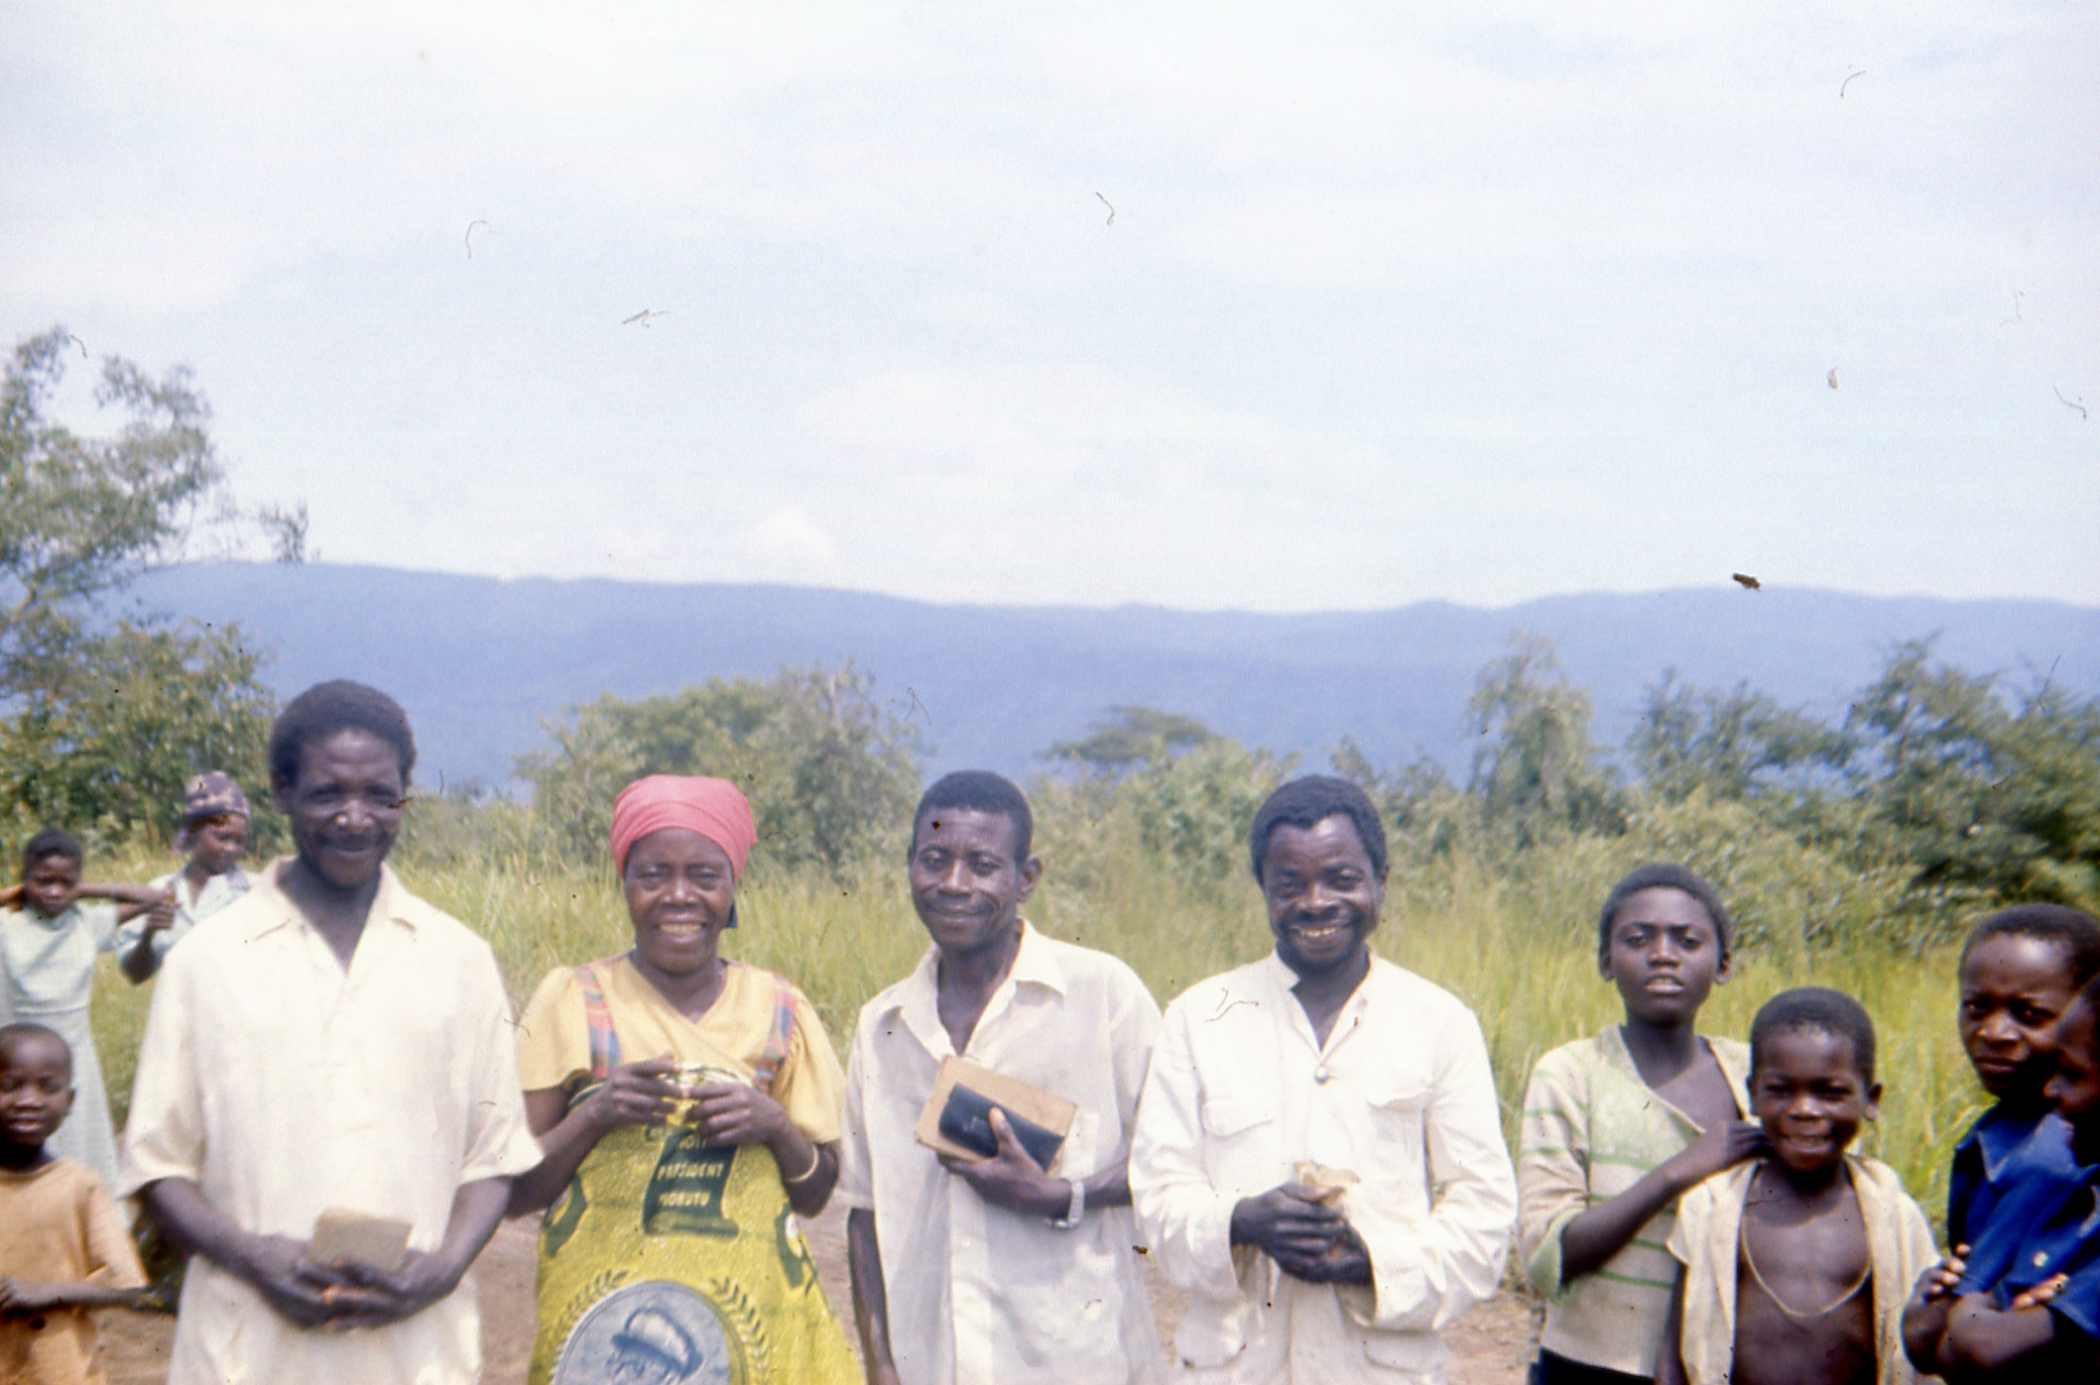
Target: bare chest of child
{"x": 1804, "y": 1306}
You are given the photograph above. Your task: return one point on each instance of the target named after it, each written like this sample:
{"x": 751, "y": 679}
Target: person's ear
{"x": 1724, "y": 969}
{"x": 1873, "y": 1101}
{"x": 281, "y": 793}
{"x": 1031, "y": 875}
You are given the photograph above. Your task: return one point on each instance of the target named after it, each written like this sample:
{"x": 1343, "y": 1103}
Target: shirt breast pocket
{"x": 1239, "y": 1134}
{"x": 1397, "y": 1112}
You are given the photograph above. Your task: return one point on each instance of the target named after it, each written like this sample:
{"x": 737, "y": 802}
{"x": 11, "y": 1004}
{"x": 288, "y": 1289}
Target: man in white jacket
{"x": 1318, "y": 1156}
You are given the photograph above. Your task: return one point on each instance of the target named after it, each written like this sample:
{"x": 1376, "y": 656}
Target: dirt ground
{"x": 1489, "y": 1346}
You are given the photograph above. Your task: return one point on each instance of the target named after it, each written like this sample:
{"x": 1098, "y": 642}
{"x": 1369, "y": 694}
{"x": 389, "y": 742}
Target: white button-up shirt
{"x": 979, "y": 1294}
{"x": 284, "y": 1085}
{"x": 1401, "y": 1095}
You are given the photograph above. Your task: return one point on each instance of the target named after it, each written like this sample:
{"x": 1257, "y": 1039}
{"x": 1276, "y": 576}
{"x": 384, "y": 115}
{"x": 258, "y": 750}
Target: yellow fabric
{"x": 58, "y": 1226}
{"x": 554, "y": 1040}
{"x": 666, "y": 1258}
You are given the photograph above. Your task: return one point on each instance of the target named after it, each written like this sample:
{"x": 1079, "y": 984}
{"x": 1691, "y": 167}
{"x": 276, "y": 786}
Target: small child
{"x": 2026, "y": 1304}
{"x": 1797, "y": 1266}
{"x": 1618, "y": 1126}
{"x": 47, "y": 973}
{"x": 2020, "y": 970}
{"x": 63, "y": 1248}
{"x": 215, "y": 833}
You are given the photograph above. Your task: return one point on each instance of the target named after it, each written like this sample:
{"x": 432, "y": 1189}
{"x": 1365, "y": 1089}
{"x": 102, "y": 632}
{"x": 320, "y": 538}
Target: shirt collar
{"x": 918, "y": 999}
{"x": 1998, "y": 1136}
{"x": 390, "y": 902}
{"x": 1612, "y": 1040}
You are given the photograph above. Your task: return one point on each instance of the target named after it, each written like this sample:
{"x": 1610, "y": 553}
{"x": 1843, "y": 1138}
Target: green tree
{"x": 832, "y": 774}
{"x": 1129, "y": 738}
{"x": 1730, "y": 745}
{"x": 1537, "y": 774}
{"x": 1988, "y": 795}
{"x": 132, "y": 714}
{"x": 101, "y": 724}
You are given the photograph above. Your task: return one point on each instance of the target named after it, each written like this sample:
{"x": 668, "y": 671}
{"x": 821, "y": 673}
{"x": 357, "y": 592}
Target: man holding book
{"x": 327, "y": 1109}
{"x": 969, "y": 1268}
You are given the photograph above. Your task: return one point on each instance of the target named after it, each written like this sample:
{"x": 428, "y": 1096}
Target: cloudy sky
{"x": 1292, "y": 307}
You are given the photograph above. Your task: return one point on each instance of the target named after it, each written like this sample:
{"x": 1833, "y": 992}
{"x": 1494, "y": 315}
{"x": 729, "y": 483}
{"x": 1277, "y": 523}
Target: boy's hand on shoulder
{"x": 1722, "y": 1146}
{"x": 19, "y": 1297}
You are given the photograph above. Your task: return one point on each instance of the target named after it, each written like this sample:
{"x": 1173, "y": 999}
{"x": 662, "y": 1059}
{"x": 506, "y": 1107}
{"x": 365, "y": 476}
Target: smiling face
{"x": 2014, "y": 989}
{"x": 681, "y": 892}
{"x": 2074, "y": 1087}
{"x": 345, "y": 805}
{"x": 965, "y": 882}
{"x": 1807, "y": 1091}
{"x": 36, "y": 1090}
{"x": 1322, "y": 894}
{"x": 1665, "y": 956}
{"x": 49, "y": 882}
{"x": 216, "y": 844}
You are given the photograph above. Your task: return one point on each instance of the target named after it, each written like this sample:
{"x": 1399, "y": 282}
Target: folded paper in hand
{"x": 340, "y": 1235}
{"x": 957, "y": 1117}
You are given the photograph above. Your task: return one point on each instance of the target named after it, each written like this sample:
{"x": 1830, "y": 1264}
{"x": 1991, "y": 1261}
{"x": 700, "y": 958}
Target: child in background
{"x": 2025, "y": 1306}
{"x": 47, "y": 972}
{"x": 1797, "y": 1266}
{"x": 1618, "y": 1126}
{"x": 215, "y": 833}
{"x": 63, "y": 1249}
{"x": 2020, "y": 970}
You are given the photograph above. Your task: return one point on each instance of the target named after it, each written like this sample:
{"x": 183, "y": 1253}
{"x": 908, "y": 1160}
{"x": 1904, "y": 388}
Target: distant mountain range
{"x": 480, "y": 661}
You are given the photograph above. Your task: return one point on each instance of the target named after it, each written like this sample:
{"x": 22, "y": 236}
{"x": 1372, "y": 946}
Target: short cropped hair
{"x": 1310, "y": 801}
{"x": 1666, "y": 875}
{"x": 341, "y": 705}
{"x": 979, "y": 791}
{"x": 2089, "y": 997}
{"x": 2073, "y": 932}
{"x": 52, "y": 841}
{"x": 1815, "y": 1007}
{"x": 13, "y": 1034}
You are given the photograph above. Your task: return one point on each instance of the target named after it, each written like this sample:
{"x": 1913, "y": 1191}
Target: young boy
{"x": 1797, "y": 1266}
{"x": 47, "y": 972}
{"x": 2026, "y": 1304}
{"x": 63, "y": 1249}
{"x": 1618, "y": 1126}
{"x": 2020, "y": 970}
{"x": 215, "y": 833}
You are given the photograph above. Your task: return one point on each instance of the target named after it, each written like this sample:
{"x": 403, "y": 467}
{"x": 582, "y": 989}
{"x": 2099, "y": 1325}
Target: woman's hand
{"x": 636, "y": 1094}
{"x": 728, "y": 1114}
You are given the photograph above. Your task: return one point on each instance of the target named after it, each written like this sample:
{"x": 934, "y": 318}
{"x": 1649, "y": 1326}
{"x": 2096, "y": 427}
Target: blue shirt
{"x": 1999, "y": 1151}
{"x": 2042, "y": 1229}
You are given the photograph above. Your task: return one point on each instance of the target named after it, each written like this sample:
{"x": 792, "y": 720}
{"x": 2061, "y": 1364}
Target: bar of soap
{"x": 1332, "y": 1183}
{"x": 341, "y": 1235}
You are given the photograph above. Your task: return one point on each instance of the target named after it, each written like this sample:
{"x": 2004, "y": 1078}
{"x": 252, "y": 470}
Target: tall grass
{"x": 1514, "y": 938}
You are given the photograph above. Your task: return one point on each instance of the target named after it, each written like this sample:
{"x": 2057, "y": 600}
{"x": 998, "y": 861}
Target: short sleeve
{"x": 113, "y": 1260}
{"x": 856, "y": 1185}
{"x": 499, "y": 1142}
{"x": 1553, "y": 1185}
{"x": 164, "y": 1137}
{"x": 100, "y": 921}
{"x": 554, "y": 1039}
{"x": 810, "y": 1084}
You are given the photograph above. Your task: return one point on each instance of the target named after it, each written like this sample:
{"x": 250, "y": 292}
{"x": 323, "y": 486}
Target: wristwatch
{"x": 1073, "y": 1211}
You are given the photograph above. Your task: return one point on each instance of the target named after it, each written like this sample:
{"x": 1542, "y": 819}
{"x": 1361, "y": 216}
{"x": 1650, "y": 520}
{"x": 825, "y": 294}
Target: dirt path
{"x": 1489, "y": 1346}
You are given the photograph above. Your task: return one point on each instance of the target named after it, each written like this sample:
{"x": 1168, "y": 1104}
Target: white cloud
{"x": 788, "y": 541}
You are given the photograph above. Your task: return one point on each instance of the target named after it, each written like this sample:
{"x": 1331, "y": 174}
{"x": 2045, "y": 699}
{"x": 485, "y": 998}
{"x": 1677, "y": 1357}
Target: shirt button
{"x": 2041, "y": 1257}
{"x": 1321, "y": 1074}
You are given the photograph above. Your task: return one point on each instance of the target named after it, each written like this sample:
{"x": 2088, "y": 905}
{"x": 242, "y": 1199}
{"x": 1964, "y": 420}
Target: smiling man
{"x": 328, "y": 1042}
{"x": 996, "y": 1272}
{"x": 1319, "y": 1156}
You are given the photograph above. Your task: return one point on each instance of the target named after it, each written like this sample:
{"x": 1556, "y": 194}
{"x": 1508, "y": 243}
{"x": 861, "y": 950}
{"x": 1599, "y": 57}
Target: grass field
{"x": 1518, "y": 946}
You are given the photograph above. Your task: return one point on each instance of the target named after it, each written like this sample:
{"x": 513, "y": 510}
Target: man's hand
{"x": 378, "y": 1297}
{"x": 289, "y": 1281}
{"x": 1723, "y": 1145}
{"x": 19, "y": 1297}
{"x": 2041, "y": 1295}
{"x": 1291, "y": 1226}
{"x": 1925, "y": 1315}
{"x": 731, "y": 1114}
{"x": 636, "y": 1094}
{"x": 162, "y": 915}
{"x": 1011, "y": 1178}
{"x": 1347, "y": 1261}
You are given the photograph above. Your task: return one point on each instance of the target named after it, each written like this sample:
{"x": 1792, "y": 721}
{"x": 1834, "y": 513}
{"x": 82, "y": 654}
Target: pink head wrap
{"x": 715, "y": 808}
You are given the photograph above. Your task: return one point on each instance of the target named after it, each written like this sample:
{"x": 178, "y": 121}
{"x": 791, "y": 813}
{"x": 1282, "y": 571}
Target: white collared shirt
{"x": 1400, "y": 1095}
{"x": 284, "y": 1084}
{"x": 978, "y": 1294}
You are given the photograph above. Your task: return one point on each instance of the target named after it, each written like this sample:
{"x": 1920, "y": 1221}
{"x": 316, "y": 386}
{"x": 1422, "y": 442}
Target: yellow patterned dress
{"x": 667, "y": 1260}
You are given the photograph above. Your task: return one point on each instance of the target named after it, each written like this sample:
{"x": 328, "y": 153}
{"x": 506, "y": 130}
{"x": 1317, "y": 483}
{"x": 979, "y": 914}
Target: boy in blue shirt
{"x": 2025, "y": 1304}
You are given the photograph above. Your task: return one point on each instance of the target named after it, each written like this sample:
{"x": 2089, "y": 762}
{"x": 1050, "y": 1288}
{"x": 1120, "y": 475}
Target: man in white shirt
{"x": 329, "y": 1041}
{"x": 996, "y": 1272}
{"x": 1319, "y": 1155}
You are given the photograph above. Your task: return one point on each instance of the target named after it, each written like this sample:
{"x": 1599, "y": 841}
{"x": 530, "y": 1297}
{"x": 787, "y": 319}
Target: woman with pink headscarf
{"x": 688, "y": 1107}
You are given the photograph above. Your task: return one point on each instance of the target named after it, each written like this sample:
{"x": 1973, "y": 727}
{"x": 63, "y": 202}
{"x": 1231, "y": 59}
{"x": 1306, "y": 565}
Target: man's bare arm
{"x": 1669, "y": 1362}
{"x": 871, "y": 1308}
